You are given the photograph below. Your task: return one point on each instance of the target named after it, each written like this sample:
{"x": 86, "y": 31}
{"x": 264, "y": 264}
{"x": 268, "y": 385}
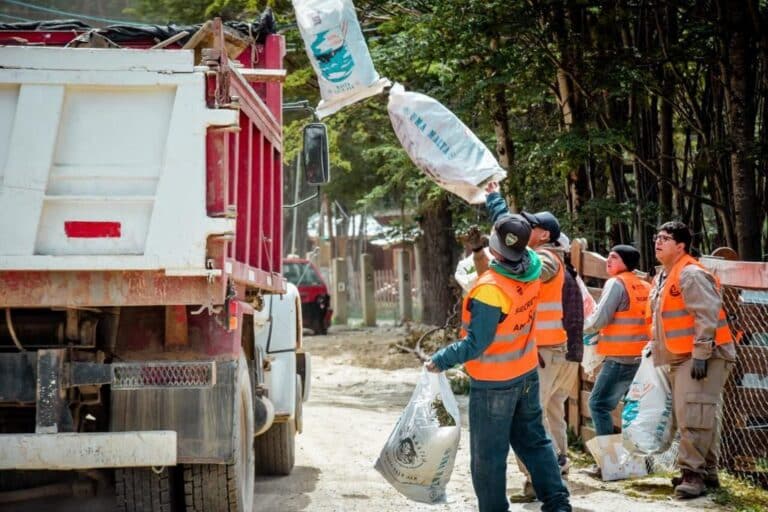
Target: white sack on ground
{"x": 614, "y": 461}
{"x": 441, "y": 145}
{"x": 418, "y": 457}
{"x": 646, "y": 421}
{"x": 338, "y": 53}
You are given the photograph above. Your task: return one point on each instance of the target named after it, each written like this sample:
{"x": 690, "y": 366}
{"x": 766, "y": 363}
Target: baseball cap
{"x": 546, "y": 221}
{"x": 509, "y": 237}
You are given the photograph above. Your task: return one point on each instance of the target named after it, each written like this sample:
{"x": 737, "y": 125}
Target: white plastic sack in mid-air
{"x": 441, "y": 145}
{"x": 646, "y": 421}
{"x": 418, "y": 457}
{"x": 466, "y": 273}
{"x": 338, "y": 53}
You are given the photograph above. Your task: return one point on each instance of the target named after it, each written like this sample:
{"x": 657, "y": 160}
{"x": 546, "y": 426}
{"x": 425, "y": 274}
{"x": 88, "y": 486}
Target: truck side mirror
{"x": 314, "y": 154}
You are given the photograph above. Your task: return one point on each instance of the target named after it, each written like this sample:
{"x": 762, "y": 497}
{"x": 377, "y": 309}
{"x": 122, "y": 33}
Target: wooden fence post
{"x": 366, "y": 290}
{"x": 340, "y": 291}
{"x": 404, "y": 284}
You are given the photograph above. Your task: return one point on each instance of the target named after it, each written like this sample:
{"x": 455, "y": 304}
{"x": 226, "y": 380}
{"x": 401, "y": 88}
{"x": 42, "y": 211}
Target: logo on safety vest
{"x": 674, "y": 291}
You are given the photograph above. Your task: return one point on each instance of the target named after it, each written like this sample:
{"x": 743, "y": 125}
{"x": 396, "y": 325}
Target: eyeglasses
{"x": 663, "y": 238}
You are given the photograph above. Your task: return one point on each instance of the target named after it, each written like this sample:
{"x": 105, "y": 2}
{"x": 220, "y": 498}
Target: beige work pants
{"x": 697, "y": 406}
{"x": 555, "y": 382}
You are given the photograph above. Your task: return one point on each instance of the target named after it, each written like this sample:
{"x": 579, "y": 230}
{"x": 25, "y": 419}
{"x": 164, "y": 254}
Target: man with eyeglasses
{"x": 690, "y": 334}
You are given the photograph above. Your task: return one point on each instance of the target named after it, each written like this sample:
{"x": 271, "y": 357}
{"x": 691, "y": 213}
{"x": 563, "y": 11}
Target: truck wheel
{"x": 276, "y": 448}
{"x": 227, "y": 487}
{"x": 144, "y": 490}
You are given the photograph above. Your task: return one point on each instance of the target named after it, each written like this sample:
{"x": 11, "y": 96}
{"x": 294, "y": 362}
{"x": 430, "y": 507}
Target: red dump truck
{"x": 145, "y": 326}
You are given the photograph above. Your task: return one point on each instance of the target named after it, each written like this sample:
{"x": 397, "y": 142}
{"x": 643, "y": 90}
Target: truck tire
{"x": 227, "y": 487}
{"x": 276, "y": 448}
{"x": 144, "y": 490}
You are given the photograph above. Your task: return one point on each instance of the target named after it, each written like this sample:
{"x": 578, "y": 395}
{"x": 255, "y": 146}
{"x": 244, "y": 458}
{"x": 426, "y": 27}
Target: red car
{"x": 316, "y": 309}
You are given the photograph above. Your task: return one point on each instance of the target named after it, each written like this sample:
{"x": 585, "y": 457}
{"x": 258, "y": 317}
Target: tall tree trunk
{"x": 505, "y": 149}
{"x": 741, "y": 117}
{"x": 437, "y": 247}
{"x": 667, "y": 161}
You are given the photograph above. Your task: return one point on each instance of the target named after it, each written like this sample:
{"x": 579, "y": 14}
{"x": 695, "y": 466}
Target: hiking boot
{"x": 594, "y": 471}
{"x": 527, "y": 495}
{"x": 692, "y": 486}
{"x": 711, "y": 481}
{"x": 564, "y": 464}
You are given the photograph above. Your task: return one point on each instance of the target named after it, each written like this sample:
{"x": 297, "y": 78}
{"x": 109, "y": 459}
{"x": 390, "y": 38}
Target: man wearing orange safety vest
{"x": 557, "y": 375}
{"x": 621, "y": 321}
{"x": 499, "y": 353}
{"x": 691, "y": 335}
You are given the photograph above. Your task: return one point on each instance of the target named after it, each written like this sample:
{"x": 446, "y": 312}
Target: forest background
{"x": 614, "y": 115}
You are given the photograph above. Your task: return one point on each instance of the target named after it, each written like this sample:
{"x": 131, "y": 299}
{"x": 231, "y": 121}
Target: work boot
{"x": 527, "y": 495}
{"x": 594, "y": 471}
{"x": 711, "y": 481}
{"x": 692, "y": 486}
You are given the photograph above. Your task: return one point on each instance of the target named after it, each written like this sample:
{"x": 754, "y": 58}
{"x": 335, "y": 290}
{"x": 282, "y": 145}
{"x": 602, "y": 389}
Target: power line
{"x": 17, "y": 18}
{"x": 65, "y": 13}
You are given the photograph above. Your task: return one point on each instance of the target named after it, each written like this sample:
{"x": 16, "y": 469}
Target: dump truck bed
{"x": 130, "y": 177}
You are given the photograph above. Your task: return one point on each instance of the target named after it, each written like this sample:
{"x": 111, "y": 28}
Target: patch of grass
{"x": 649, "y": 489}
{"x": 740, "y": 495}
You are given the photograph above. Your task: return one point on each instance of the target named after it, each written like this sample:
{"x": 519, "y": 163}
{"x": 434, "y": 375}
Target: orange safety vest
{"x": 677, "y": 322}
{"x": 549, "y": 313}
{"x": 513, "y": 350}
{"x": 629, "y": 331}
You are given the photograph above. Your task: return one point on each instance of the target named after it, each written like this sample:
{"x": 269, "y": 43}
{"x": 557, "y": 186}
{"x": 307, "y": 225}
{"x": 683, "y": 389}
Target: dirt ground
{"x": 360, "y": 385}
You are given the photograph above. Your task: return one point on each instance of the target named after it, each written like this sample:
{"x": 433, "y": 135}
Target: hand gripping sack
{"x": 338, "y": 53}
{"x": 418, "y": 457}
{"x": 441, "y": 145}
{"x": 646, "y": 421}
{"x": 591, "y": 360}
{"x": 466, "y": 273}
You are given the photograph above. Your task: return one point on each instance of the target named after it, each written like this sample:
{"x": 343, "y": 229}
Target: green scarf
{"x": 526, "y": 270}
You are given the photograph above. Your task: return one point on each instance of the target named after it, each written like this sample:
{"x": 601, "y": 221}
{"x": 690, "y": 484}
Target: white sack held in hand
{"x": 591, "y": 360}
{"x": 441, "y": 145}
{"x": 338, "y": 53}
{"x": 646, "y": 421}
{"x": 466, "y": 273}
{"x": 418, "y": 457}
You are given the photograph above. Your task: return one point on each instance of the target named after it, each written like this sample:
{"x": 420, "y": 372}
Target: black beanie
{"x": 628, "y": 254}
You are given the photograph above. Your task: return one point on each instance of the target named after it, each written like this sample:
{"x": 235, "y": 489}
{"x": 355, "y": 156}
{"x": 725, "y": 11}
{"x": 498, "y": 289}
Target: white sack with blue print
{"x": 646, "y": 420}
{"x": 418, "y": 457}
{"x": 338, "y": 53}
{"x": 441, "y": 145}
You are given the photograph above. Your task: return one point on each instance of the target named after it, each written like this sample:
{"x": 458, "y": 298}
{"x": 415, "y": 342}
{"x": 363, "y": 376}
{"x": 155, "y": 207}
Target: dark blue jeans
{"x": 611, "y": 385}
{"x": 511, "y": 416}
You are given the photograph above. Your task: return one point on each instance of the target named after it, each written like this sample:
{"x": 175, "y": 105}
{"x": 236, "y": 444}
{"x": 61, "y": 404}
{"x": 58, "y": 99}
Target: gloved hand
{"x": 476, "y": 239}
{"x": 699, "y": 369}
{"x": 541, "y": 361}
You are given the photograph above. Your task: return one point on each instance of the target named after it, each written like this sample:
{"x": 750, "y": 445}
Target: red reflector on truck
{"x": 86, "y": 229}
